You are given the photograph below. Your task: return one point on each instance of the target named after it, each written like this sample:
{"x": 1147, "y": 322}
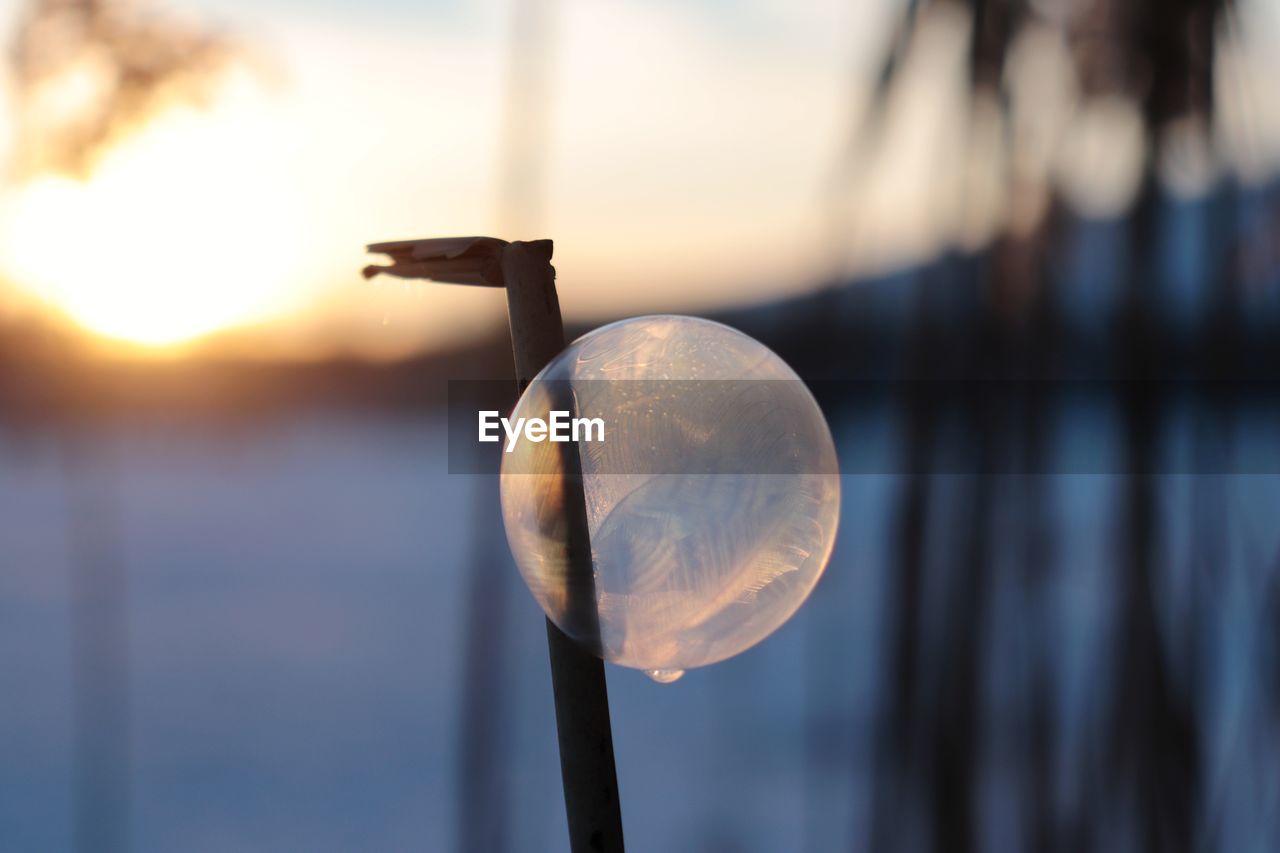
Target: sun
{"x": 189, "y": 226}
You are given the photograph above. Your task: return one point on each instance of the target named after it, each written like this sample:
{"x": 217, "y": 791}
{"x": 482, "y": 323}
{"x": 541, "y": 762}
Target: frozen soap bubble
{"x": 711, "y": 502}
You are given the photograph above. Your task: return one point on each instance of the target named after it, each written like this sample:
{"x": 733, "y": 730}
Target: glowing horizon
{"x": 684, "y": 172}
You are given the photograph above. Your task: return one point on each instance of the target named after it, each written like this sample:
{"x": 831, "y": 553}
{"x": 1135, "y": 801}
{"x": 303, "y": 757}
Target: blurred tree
{"x": 88, "y": 72}
{"x": 1153, "y": 63}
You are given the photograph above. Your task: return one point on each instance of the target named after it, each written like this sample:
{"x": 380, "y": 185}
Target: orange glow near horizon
{"x": 703, "y": 181}
{"x": 184, "y": 228}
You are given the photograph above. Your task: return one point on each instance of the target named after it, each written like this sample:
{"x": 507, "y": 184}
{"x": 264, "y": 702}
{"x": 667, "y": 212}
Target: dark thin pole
{"x": 577, "y": 675}
{"x": 99, "y": 648}
{"x": 487, "y": 704}
{"x": 577, "y": 672}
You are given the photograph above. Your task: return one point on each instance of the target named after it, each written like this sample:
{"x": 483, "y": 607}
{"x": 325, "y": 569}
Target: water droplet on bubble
{"x": 711, "y": 505}
{"x": 665, "y": 676}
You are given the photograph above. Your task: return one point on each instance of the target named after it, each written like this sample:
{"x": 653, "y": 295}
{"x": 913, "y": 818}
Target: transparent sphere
{"x": 697, "y": 520}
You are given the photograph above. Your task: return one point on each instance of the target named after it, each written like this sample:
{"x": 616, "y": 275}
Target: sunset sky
{"x": 689, "y": 148}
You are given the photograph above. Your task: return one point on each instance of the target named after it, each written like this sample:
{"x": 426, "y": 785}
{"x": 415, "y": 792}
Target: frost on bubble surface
{"x": 711, "y": 503}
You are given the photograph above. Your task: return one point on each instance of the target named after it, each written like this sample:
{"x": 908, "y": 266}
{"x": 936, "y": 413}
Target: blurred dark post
{"x": 98, "y": 586}
{"x": 489, "y": 702}
{"x": 577, "y": 674}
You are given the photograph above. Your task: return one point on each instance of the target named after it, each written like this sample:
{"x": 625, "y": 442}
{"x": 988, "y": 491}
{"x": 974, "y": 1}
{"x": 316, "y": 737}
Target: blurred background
{"x": 244, "y": 607}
